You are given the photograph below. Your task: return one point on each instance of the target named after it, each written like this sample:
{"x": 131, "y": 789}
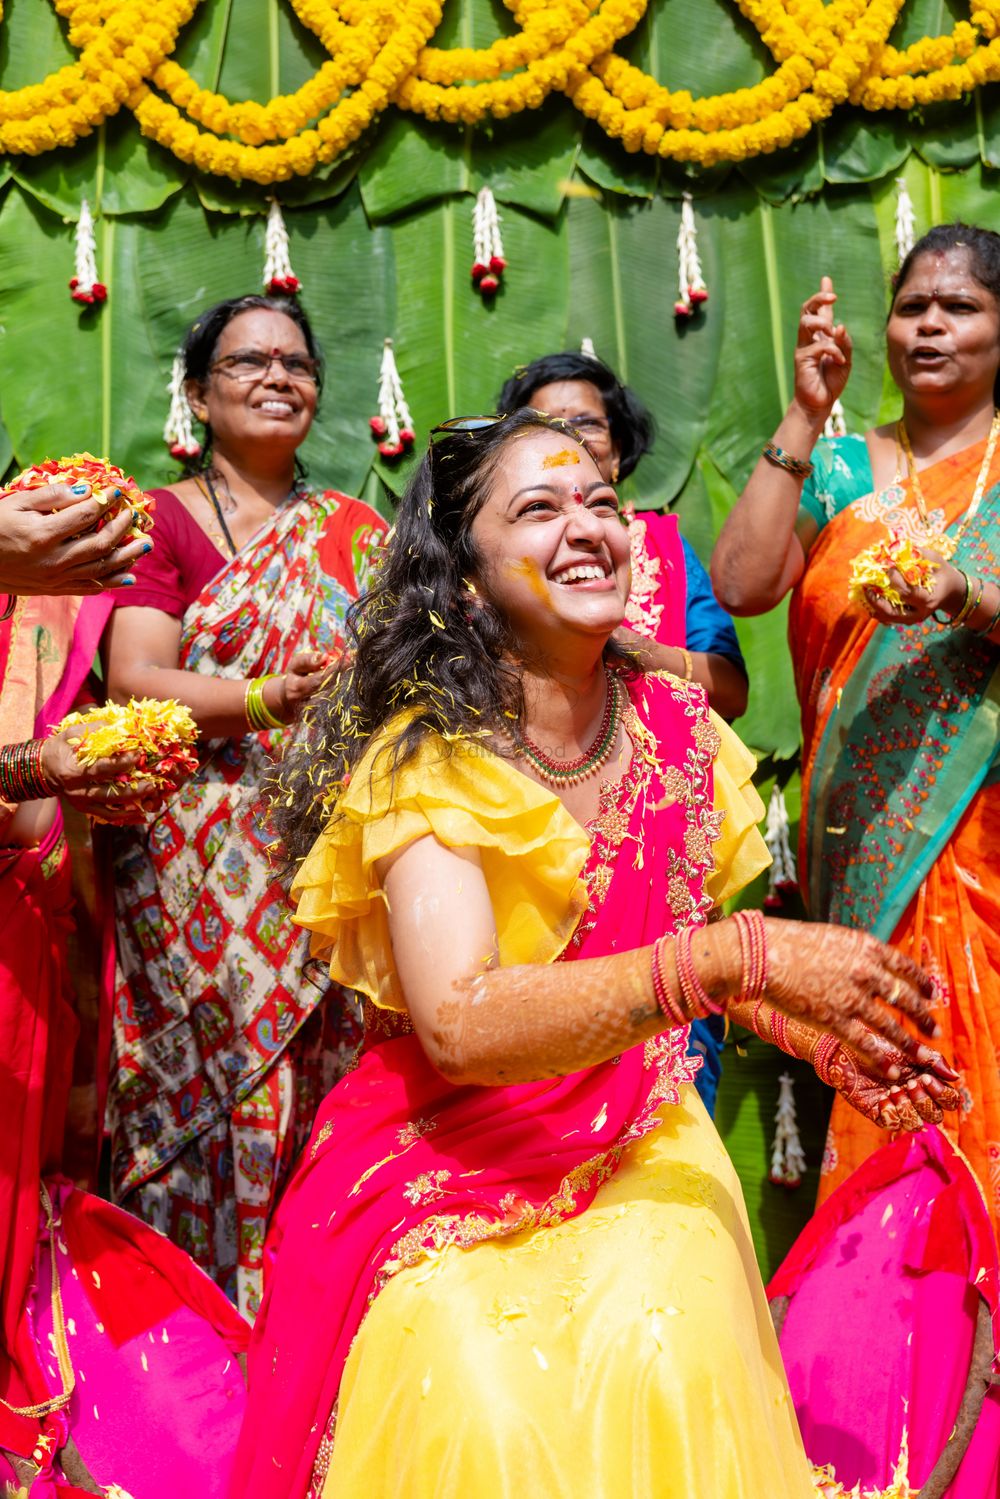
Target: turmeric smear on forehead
{"x": 527, "y": 568}
{"x": 562, "y": 459}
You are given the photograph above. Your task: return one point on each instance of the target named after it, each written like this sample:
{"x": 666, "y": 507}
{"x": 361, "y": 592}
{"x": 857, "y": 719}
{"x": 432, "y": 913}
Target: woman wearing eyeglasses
{"x": 514, "y": 1258}
{"x": 223, "y": 1042}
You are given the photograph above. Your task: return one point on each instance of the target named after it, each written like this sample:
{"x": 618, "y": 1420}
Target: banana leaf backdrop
{"x": 382, "y": 242}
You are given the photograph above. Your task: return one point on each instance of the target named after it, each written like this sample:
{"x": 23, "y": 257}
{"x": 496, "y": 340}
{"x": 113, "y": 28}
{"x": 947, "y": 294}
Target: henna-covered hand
{"x": 848, "y": 982}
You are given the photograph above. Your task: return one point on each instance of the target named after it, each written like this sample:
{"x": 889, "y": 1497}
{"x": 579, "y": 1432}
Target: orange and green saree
{"x": 900, "y": 793}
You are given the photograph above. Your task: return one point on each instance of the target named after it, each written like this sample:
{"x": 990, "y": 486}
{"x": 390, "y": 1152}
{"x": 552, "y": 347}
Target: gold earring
{"x": 614, "y": 473}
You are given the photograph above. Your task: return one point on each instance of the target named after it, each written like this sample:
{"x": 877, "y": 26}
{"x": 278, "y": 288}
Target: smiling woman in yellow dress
{"x": 515, "y": 1258}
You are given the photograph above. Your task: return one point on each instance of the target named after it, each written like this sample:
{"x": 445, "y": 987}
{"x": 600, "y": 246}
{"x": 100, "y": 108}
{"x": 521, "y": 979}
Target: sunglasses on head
{"x": 459, "y": 425}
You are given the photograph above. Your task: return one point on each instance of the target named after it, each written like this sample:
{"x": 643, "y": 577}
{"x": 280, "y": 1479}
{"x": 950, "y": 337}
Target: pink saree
{"x": 403, "y": 1164}
{"x": 907, "y": 1244}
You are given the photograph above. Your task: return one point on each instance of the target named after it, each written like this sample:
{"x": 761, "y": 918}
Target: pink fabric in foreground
{"x": 658, "y": 605}
{"x": 401, "y": 1162}
{"x": 885, "y": 1285}
{"x": 159, "y": 1391}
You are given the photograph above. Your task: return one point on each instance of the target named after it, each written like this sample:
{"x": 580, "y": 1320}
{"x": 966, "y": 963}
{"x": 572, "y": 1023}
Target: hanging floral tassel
{"x": 279, "y": 278}
{"x": 836, "y": 422}
{"x": 84, "y": 286}
{"x": 782, "y": 875}
{"x": 587, "y": 348}
{"x": 906, "y": 220}
{"x": 691, "y": 288}
{"x": 178, "y": 430}
{"x": 488, "y": 263}
{"x": 788, "y": 1161}
{"x": 393, "y": 427}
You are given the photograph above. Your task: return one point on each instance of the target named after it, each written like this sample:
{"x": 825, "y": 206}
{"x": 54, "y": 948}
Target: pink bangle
{"x": 698, "y": 1001}
{"x": 753, "y": 953}
{"x": 664, "y": 998}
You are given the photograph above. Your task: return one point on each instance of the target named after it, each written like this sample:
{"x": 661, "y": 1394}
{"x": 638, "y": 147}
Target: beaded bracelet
{"x": 258, "y": 714}
{"x": 9, "y": 607}
{"x": 664, "y": 999}
{"x": 22, "y": 778}
{"x": 800, "y": 467}
{"x": 697, "y": 999}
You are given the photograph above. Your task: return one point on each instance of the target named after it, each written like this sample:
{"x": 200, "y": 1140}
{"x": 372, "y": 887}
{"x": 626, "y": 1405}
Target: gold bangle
{"x": 800, "y": 468}
{"x": 688, "y": 662}
{"x": 971, "y": 603}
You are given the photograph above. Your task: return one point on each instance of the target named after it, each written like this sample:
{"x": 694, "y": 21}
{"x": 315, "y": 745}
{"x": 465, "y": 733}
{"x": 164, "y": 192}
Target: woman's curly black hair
{"x": 202, "y": 340}
{"x": 420, "y": 642}
{"x": 632, "y": 426}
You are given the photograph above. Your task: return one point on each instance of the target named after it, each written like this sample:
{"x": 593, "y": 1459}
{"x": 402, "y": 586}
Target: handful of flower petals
{"x": 870, "y": 570}
{"x": 109, "y": 484}
{"x": 161, "y": 734}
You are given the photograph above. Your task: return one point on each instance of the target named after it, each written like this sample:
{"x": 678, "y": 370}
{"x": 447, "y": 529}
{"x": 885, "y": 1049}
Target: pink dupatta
{"x": 403, "y": 1164}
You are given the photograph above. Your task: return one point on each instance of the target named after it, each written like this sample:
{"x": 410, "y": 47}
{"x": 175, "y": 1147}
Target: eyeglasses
{"x": 253, "y": 364}
{"x": 458, "y": 425}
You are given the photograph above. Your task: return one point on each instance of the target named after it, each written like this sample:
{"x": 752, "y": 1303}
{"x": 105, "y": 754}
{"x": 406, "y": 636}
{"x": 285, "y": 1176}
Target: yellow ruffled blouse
{"x": 532, "y": 852}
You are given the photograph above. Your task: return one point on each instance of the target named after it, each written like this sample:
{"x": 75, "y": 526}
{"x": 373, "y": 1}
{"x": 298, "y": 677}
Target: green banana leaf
{"x": 623, "y": 280}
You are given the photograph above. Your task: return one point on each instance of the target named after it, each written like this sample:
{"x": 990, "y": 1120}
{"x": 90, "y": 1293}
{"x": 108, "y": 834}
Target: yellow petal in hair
{"x": 870, "y": 570}
{"x": 562, "y": 459}
{"x": 161, "y": 734}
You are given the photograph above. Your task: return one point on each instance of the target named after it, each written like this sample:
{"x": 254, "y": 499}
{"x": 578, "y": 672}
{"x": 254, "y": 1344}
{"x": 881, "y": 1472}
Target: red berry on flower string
{"x": 378, "y": 426}
{"x": 407, "y": 437}
{"x": 74, "y": 283}
{"x": 390, "y": 449}
{"x": 498, "y": 264}
{"x": 682, "y": 309}
{"x": 697, "y": 294}
{"x": 99, "y": 291}
{"x": 478, "y": 270}
{"x": 488, "y": 285}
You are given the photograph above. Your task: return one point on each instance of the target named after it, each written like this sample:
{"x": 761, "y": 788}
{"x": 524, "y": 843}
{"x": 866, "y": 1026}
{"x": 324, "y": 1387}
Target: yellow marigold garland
{"x": 350, "y": 115}
{"x": 826, "y": 54}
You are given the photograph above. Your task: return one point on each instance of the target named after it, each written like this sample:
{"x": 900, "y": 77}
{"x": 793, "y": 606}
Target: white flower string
{"x": 393, "y": 427}
{"x": 488, "y": 262}
{"x": 906, "y": 220}
{"x": 782, "y": 874}
{"x": 84, "y": 286}
{"x": 788, "y": 1160}
{"x": 178, "y": 429}
{"x": 587, "y": 348}
{"x": 691, "y": 288}
{"x": 836, "y": 423}
{"x": 278, "y": 274}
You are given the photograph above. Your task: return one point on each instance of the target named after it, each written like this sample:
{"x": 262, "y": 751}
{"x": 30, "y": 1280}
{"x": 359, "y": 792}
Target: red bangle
{"x": 699, "y": 1003}
{"x": 826, "y": 1049}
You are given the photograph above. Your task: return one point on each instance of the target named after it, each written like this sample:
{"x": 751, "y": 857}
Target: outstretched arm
{"x": 490, "y": 1025}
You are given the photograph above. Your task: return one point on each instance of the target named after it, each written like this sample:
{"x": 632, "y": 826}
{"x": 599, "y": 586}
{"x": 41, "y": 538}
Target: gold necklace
{"x": 946, "y": 545}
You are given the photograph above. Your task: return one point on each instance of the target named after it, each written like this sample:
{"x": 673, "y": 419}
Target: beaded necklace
{"x": 571, "y": 772}
{"x": 946, "y": 545}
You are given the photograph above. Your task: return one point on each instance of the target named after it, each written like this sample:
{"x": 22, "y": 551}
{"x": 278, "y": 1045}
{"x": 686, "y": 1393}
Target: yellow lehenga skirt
{"x": 625, "y": 1354}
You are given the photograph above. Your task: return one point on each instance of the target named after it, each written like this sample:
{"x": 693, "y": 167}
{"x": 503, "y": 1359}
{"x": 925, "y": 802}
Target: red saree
{"x": 901, "y": 809}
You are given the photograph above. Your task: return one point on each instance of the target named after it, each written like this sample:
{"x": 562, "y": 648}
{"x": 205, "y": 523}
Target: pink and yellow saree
{"x": 900, "y": 795}
{"x": 542, "y": 1288}
{"x": 225, "y": 1039}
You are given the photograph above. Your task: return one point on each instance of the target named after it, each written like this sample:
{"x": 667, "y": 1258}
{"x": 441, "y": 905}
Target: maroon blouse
{"x": 182, "y": 561}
